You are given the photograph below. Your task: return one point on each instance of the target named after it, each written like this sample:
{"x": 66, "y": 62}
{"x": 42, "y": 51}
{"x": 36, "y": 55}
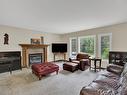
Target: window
{"x": 73, "y": 46}
{"x": 87, "y": 45}
{"x": 104, "y": 45}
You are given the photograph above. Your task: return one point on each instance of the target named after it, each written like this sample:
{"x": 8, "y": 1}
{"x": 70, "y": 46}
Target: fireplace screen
{"x": 35, "y": 58}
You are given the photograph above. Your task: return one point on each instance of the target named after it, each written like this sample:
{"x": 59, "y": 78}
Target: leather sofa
{"x": 113, "y": 81}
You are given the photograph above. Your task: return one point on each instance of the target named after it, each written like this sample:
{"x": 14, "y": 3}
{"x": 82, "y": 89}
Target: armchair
{"x": 80, "y": 58}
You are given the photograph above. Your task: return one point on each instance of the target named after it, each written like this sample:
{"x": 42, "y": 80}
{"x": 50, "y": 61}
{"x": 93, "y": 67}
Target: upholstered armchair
{"x": 80, "y": 57}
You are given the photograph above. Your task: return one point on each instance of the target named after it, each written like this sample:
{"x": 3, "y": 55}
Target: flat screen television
{"x": 59, "y": 47}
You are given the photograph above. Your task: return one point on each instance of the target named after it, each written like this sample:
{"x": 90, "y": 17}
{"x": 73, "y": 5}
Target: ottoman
{"x": 69, "y": 66}
{"x": 44, "y": 69}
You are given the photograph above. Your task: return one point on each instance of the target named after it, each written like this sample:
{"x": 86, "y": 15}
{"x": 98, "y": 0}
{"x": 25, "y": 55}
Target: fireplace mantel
{"x": 25, "y": 52}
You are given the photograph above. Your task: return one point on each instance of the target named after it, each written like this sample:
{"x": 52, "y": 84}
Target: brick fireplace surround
{"x": 26, "y": 50}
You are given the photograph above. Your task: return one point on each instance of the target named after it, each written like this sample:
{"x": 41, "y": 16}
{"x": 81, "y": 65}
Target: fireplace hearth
{"x": 35, "y": 58}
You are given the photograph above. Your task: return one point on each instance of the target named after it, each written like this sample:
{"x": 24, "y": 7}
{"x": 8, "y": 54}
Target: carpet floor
{"x": 23, "y": 82}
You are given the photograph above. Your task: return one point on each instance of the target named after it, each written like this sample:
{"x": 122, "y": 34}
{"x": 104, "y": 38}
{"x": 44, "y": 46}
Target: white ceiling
{"x": 62, "y": 16}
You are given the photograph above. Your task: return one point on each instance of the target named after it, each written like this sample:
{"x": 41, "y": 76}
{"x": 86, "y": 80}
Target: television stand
{"x": 59, "y": 54}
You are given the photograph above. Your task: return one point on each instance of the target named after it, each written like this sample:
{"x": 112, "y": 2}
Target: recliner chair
{"x": 80, "y": 57}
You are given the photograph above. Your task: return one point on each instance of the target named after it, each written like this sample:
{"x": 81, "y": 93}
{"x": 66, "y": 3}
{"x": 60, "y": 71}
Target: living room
{"x": 53, "y": 22}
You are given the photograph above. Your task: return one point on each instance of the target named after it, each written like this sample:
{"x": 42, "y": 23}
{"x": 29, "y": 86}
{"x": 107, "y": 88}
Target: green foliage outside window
{"x": 105, "y": 47}
{"x": 87, "y": 45}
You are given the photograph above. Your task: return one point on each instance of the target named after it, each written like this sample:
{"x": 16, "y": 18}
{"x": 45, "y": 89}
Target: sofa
{"x": 112, "y": 81}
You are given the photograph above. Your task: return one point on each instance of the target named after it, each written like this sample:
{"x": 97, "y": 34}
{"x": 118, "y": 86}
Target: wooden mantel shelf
{"x": 25, "y": 52}
{"x": 34, "y": 45}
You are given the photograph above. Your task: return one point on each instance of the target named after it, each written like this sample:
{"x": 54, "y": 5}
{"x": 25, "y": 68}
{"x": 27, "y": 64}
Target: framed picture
{"x": 35, "y": 41}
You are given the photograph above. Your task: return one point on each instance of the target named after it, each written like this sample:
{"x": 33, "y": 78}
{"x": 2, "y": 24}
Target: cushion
{"x": 110, "y": 75}
{"x": 124, "y": 70}
{"x": 123, "y": 80}
{"x": 96, "y": 89}
{"x": 108, "y": 82}
{"x": 116, "y": 69}
{"x": 82, "y": 56}
{"x": 71, "y": 64}
{"x": 123, "y": 90}
{"x": 75, "y": 61}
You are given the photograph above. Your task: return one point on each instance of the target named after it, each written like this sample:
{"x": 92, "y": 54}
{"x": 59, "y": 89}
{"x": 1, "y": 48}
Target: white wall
{"x": 19, "y": 35}
{"x": 22, "y": 36}
{"x": 119, "y": 36}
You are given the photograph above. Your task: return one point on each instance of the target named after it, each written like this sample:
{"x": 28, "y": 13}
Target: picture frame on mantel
{"x": 35, "y": 41}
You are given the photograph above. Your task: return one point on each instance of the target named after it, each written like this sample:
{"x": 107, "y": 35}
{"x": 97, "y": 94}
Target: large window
{"x": 73, "y": 46}
{"x": 87, "y": 45}
{"x": 104, "y": 45}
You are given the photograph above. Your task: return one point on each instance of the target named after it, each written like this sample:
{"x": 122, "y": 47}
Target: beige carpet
{"x": 23, "y": 82}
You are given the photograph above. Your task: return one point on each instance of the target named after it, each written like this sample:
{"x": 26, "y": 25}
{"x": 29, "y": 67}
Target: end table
{"x": 95, "y": 63}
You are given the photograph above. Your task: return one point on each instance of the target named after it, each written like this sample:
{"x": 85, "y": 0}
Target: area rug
{"x": 23, "y": 82}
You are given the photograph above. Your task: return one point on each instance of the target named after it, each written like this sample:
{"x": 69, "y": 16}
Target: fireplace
{"x": 26, "y": 50}
{"x": 35, "y": 58}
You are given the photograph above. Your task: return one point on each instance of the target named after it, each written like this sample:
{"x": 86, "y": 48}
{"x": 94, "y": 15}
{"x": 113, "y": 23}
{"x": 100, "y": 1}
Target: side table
{"x": 95, "y": 63}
